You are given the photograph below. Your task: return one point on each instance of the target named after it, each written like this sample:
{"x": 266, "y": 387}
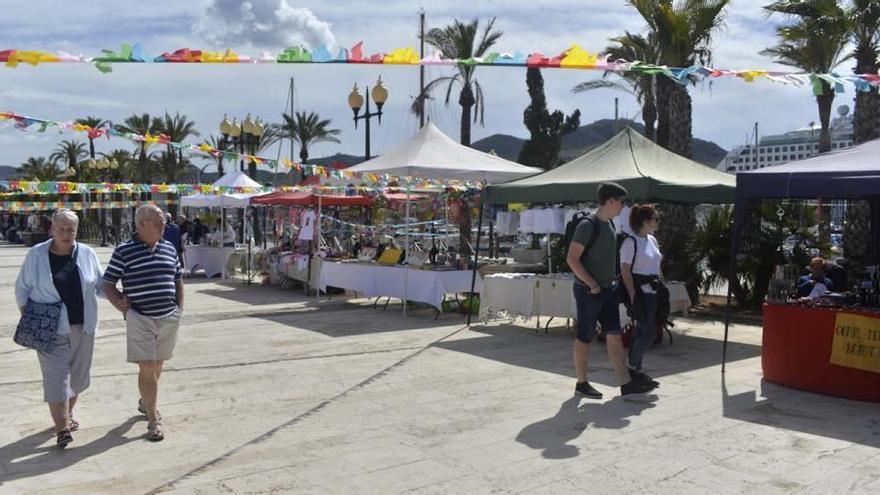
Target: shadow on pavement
{"x": 26, "y": 457}
{"x": 782, "y": 407}
{"x": 340, "y": 322}
{"x": 552, "y": 435}
{"x": 552, "y": 352}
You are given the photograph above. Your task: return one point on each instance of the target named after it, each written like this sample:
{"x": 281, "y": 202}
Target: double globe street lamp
{"x": 356, "y": 101}
{"x": 246, "y": 135}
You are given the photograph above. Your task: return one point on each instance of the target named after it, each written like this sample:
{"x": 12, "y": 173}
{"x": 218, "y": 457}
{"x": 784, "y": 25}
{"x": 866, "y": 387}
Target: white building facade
{"x": 793, "y": 145}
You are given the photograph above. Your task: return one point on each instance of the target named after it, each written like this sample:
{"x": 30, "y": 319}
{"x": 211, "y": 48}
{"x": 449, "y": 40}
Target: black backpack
{"x": 579, "y": 217}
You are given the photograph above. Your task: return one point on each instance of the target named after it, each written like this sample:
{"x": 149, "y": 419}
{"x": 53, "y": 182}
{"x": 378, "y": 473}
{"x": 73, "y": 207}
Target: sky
{"x": 724, "y": 110}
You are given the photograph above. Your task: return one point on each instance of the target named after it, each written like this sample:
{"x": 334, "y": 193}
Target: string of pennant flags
{"x": 26, "y": 123}
{"x": 28, "y": 206}
{"x": 574, "y": 57}
{"x": 33, "y": 187}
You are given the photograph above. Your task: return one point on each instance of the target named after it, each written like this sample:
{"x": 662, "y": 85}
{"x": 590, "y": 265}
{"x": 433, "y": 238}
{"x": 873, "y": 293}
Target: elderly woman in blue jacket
{"x": 62, "y": 269}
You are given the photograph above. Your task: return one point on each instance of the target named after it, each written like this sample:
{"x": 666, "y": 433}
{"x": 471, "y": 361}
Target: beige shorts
{"x": 151, "y": 339}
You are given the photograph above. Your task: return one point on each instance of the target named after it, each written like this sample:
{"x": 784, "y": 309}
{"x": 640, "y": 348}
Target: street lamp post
{"x": 101, "y": 166}
{"x": 356, "y": 101}
{"x": 244, "y": 137}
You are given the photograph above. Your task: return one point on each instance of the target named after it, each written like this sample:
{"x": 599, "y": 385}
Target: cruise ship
{"x": 793, "y": 145}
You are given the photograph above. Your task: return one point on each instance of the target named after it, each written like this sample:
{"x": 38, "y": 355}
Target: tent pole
{"x": 246, "y": 224}
{"x": 406, "y": 255}
{"x": 222, "y": 237}
{"x": 316, "y": 245}
{"x": 738, "y": 220}
{"x": 476, "y": 259}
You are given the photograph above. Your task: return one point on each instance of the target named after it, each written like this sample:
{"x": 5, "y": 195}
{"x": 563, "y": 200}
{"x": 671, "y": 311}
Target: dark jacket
{"x": 805, "y": 284}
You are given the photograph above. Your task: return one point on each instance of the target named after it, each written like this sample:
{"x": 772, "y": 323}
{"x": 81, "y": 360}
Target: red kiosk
{"x": 829, "y": 350}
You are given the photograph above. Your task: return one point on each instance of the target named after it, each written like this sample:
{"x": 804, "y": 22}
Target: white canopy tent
{"x": 433, "y": 155}
{"x": 225, "y": 200}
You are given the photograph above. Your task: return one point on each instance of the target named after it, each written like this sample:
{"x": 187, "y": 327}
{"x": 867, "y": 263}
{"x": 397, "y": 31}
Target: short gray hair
{"x": 63, "y": 215}
{"x": 144, "y": 212}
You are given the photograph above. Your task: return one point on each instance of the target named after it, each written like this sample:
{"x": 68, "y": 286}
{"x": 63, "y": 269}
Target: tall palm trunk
{"x": 143, "y": 164}
{"x": 856, "y": 232}
{"x": 679, "y": 222}
{"x": 825, "y": 100}
{"x": 664, "y": 92}
{"x": 866, "y": 116}
{"x": 680, "y": 132}
{"x": 466, "y": 100}
{"x": 649, "y": 115}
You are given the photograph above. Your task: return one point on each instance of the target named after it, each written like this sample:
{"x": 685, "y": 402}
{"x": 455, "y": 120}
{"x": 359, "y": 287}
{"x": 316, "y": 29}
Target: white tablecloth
{"x": 529, "y": 295}
{"x": 211, "y": 259}
{"x": 370, "y": 280}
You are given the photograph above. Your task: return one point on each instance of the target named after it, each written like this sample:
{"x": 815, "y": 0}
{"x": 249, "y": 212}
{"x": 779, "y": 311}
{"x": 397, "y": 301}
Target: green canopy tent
{"x": 648, "y": 171}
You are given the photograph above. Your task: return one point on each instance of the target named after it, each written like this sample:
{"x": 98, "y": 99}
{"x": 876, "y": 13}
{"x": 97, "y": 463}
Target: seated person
{"x": 816, "y": 283}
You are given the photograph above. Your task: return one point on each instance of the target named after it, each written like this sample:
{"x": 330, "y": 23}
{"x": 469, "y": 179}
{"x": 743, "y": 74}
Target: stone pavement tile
{"x": 274, "y": 480}
{"x": 395, "y": 479}
{"x": 724, "y": 480}
{"x": 384, "y": 457}
{"x": 534, "y": 472}
{"x": 859, "y": 478}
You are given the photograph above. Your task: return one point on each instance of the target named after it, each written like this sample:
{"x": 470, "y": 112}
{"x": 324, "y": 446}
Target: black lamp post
{"x": 356, "y": 101}
{"x": 244, "y": 137}
{"x": 101, "y": 166}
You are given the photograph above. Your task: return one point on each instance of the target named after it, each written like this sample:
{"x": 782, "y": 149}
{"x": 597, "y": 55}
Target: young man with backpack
{"x": 592, "y": 256}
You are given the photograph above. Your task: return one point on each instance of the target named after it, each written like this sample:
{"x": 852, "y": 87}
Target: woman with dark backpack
{"x": 640, "y": 270}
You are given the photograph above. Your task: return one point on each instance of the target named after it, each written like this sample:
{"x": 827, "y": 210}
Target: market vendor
{"x": 816, "y": 283}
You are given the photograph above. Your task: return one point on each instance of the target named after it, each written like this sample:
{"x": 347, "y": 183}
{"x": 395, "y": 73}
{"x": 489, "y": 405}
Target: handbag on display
{"x": 390, "y": 256}
{"x": 38, "y": 325}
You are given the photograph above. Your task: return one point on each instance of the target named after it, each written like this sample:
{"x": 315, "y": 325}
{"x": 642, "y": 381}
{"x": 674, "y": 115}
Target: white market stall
{"x": 215, "y": 259}
{"x": 429, "y": 154}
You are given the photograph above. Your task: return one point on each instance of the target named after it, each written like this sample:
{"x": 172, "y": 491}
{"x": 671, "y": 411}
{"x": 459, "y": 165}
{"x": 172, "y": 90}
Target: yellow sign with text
{"x": 856, "y": 342}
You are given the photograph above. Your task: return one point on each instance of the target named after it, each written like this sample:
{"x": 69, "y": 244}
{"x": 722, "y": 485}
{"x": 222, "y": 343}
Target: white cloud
{"x": 261, "y": 23}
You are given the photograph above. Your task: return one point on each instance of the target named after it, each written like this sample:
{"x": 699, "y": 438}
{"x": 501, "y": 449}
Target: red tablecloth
{"x": 796, "y": 353}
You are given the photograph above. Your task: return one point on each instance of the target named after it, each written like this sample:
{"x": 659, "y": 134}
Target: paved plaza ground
{"x": 274, "y": 392}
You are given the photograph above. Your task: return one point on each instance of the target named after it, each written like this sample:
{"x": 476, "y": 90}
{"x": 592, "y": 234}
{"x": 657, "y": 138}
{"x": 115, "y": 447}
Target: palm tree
{"x": 631, "y": 47}
{"x": 70, "y": 152}
{"x": 217, "y": 143}
{"x": 459, "y": 40}
{"x": 307, "y": 129}
{"x": 178, "y": 128}
{"x": 814, "y": 43}
{"x": 41, "y": 169}
{"x": 865, "y": 16}
{"x": 142, "y": 125}
{"x": 682, "y": 32}
{"x": 93, "y": 123}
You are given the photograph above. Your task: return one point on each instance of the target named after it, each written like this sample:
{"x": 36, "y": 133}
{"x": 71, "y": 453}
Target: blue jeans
{"x": 645, "y": 332}
{"x": 592, "y": 308}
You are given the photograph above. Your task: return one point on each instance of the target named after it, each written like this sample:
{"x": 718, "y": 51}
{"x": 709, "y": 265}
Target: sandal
{"x": 63, "y": 438}
{"x": 142, "y": 408}
{"x": 154, "y": 432}
{"x": 74, "y": 425}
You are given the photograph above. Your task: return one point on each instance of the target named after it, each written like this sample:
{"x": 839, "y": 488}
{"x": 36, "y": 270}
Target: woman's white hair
{"x": 148, "y": 213}
{"x": 64, "y": 215}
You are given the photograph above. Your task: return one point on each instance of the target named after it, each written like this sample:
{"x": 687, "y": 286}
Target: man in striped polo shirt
{"x": 152, "y": 302}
